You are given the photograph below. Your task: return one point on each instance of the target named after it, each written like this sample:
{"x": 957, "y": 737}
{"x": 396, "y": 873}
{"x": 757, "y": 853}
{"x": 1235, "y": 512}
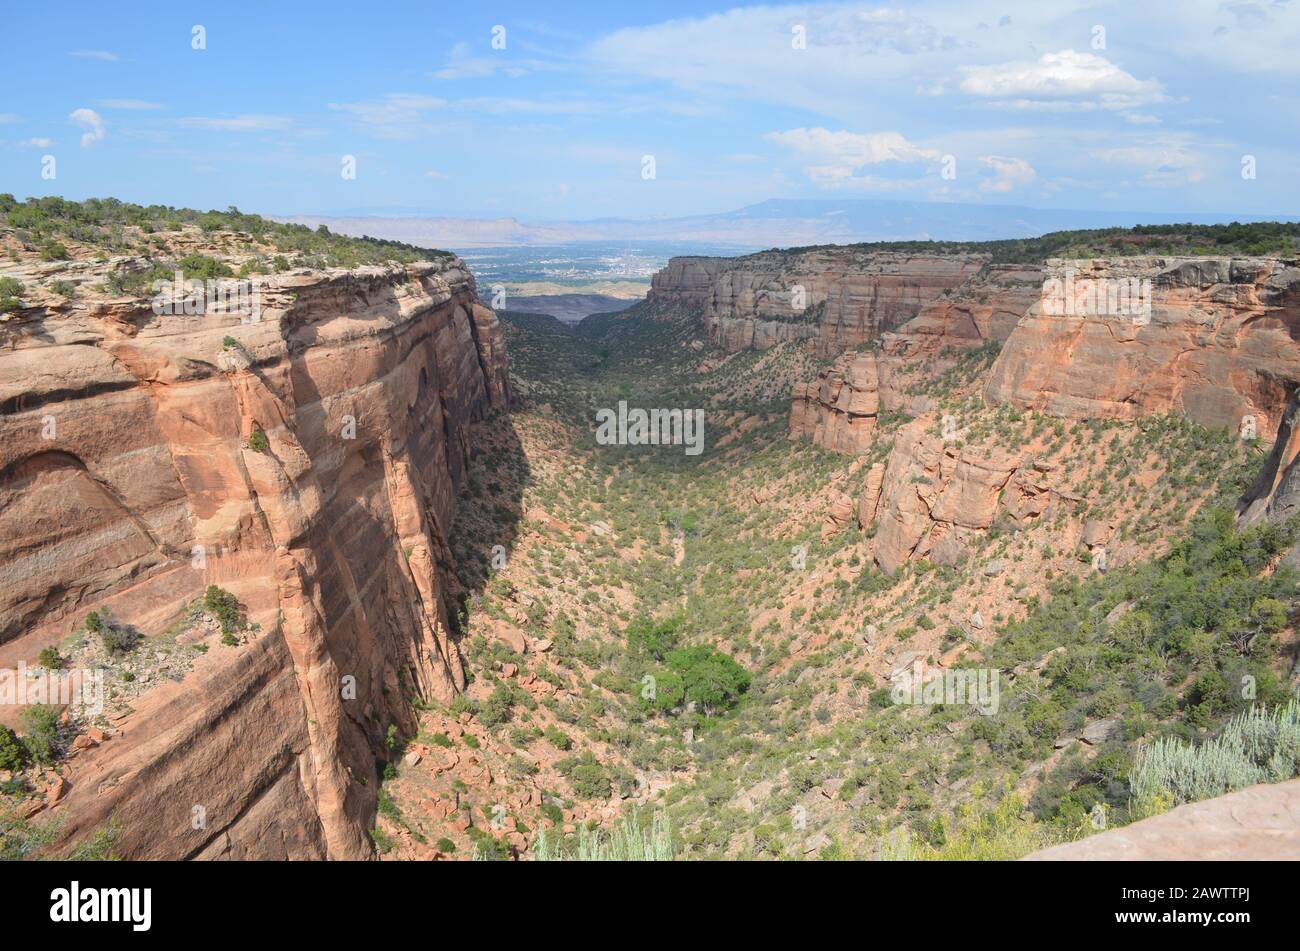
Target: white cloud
{"x": 502, "y": 104}
{"x": 89, "y": 120}
{"x": 1061, "y": 82}
{"x": 102, "y": 55}
{"x": 242, "y": 123}
{"x": 131, "y": 104}
{"x": 1007, "y": 173}
{"x": 750, "y": 53}
{"x": 36, "y": 143}
{"x": 6, "y": 117}
{"x": 852, "y": 148}
{"x": 836, "y": 159}
{"x": 435, "y": 175}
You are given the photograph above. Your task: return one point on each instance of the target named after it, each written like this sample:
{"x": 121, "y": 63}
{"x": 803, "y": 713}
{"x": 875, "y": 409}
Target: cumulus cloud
{"x": 1006, "y": 173}
{"x": 836, "y": 159}
{"x": 852, "y": 148}
{"x": 89, "y": 120}
{"x": 1060, "y": 81}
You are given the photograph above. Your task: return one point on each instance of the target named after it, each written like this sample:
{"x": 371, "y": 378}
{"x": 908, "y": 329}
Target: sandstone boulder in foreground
{"x": 1259, "y": 823}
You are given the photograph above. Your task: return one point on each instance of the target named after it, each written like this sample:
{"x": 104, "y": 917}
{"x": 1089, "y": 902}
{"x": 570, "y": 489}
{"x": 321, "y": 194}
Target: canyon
{"x": 441, "y": 573}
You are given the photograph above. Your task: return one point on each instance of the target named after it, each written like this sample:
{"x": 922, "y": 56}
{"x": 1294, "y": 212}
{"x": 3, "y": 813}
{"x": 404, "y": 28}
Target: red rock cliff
{"x": 127, "y": 483}
{"x": 839, "y": 298}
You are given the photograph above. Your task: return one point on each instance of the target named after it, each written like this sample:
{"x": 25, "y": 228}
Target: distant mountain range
{"x": 768, "y": 224}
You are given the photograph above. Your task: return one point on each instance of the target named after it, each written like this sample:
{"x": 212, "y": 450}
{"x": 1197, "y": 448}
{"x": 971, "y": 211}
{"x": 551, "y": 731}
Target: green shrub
{"x": 1257, "y": 746}
{"x": 119, "y": 640}
{"x": 495, "y": 710}
{"x": 224, "y": 607}
{"x": 40, "y": 725}
{"x": 53, "y": 251}
{"x": 13, "y": 754}
{"x": 587, "y": 776}
{"x": 50, "y": 658}
{"x": 258, "y": 442}
{"x": 558, "y": 738}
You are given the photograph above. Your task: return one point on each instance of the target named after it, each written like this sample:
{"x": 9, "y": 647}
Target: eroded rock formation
{"x": 839, "y": 409}
{"x": 308, "y": 462}
{"x": 1219, "y": 345}
{"x": 839, "y": 298}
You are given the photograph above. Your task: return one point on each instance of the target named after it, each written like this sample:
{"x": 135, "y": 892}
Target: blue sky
{"x": 1119, "y": 106}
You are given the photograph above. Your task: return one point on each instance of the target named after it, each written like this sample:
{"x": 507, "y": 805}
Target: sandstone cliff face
{"x": 848, "y": 295}
{"x": 1220, "y": 345}
{"x": 987, "y": 307}
{"x": 1275, "y": 495}
{"x": 933, "y": 495}
{"x": 127, "y": 483}
{"x": 839, "y": 409}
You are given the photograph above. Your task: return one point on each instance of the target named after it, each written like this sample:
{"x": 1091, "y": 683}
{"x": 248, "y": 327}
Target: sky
{"x": 644, "y": 110}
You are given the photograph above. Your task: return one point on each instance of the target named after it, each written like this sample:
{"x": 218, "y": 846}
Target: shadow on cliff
{"x": 488, "y": 511}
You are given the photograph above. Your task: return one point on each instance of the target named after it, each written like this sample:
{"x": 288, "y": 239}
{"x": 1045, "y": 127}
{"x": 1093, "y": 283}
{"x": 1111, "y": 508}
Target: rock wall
{"x": 849, "y": 296}
{"x": 933, "y": 495}
{"x": 1275, "y": 494}
{"x": 127, "y": 483}
{"x": 839, "y": 409}
{"x": 1219, "y": 345}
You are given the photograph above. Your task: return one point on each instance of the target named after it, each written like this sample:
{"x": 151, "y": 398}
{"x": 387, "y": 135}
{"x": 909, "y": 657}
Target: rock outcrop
{"x": 839, "y": 298}
{"x": 839, "y": 409}
{"x": 933, "y": 495}
{"x": 308, "y": 462}
{"x": 1260, "y": 823}
{"x": 1275, "y": 494}
{"x": 1218, "y": 345}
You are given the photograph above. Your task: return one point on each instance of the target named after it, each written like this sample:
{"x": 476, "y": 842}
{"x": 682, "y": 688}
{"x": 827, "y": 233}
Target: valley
{"x": 1063, "y": 552}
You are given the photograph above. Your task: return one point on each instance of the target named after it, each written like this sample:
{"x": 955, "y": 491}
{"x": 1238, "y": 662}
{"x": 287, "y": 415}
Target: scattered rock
{"x": 1099, "y": 731}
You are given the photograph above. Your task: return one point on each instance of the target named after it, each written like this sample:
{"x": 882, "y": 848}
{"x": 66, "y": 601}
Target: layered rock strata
{"x": 838, "y": 298}
{"x": 307, "y": 461}
{"x": 1218, "y": 345}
